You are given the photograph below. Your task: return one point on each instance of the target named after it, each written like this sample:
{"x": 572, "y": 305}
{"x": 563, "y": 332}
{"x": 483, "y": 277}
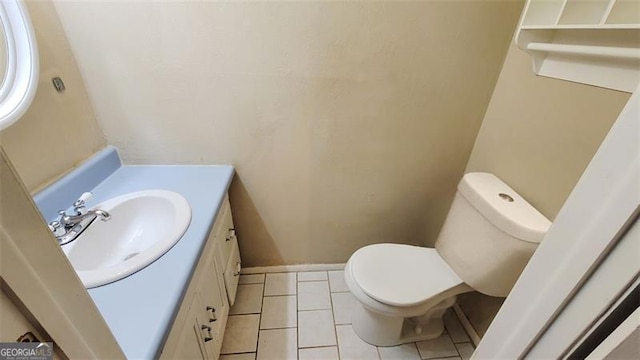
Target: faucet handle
{"x": 78, "y": 205}
{"x": 61, "y": 220}
{"x": 86, "y": 196}
{"x": 56, "y": 228}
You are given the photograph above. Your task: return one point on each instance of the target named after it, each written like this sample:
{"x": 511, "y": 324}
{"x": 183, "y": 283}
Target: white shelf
{"x": 595, "y": 42}
{"x": 581, "y": 27}
{"x": 543, "y": 12}
{"x": 624, "y": 12}
{"x": 591, "y": 51}
{"x": 583, "y": 12}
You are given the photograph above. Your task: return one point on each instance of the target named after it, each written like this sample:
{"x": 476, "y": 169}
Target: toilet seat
{"x": 401, "y": 275}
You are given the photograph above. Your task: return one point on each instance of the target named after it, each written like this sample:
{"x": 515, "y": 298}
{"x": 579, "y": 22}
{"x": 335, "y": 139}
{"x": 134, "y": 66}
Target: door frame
{"x": 34, "y": 268}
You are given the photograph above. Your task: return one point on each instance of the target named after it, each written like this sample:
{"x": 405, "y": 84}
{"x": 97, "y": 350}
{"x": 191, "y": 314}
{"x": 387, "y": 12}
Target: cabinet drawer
{"x": 232, "y": 272}
{"x": 191, "y": 336}
{"x": 225, "y": 233}
{"x": 212, "y": 296}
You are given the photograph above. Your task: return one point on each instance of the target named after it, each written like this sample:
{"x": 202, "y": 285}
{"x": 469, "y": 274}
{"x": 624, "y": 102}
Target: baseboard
{"x": 466, "y": 324}
{"x": 291, "y": 268}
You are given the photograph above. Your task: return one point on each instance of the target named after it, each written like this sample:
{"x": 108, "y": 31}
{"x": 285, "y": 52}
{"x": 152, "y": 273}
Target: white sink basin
{"x": 143, "y": 226}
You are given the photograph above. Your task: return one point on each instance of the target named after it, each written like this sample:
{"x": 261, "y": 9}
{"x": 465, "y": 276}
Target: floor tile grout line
{"x": 338, "y": 343}
{"x": 328, "y": 293}
{"x": 316, "y": 346}
{"x": 260, "y": 320}
{"x": 248, "y": 313}
{"x": 319, "y": 347}
{"x": 308, "y": 281}
{"x": 415, "y": 345}
{"x": 264, "y": 296}
{"x": 333, "y": 316}
{"x": 331, "y": 308}
{"x": 297, "y": 321}
{"x": 280, "y": 328}
{"x": 378, "y": 352}
{"x": 454, "y": 344}
{"x": 297, "y": 302}
{"x": 249, "y": 283}
{"x": 295, "y": 274}
{"x": 325, "y": 272}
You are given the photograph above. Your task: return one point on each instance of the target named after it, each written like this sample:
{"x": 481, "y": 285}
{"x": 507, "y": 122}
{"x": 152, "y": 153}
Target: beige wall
{"x": 349, "y": 123}
{"x": 538, "y": 135}
{"x": 59, "y": 130}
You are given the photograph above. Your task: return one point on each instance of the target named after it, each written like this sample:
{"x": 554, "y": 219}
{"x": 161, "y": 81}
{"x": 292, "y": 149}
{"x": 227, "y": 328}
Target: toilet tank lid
{"x": 503, "y": 207}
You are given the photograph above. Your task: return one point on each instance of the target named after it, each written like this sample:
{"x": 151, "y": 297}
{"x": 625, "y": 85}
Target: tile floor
{"x": 307, "y": 316}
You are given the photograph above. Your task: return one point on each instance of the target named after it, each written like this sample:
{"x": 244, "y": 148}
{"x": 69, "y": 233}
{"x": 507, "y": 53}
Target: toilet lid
{"x": 401, "y": 275}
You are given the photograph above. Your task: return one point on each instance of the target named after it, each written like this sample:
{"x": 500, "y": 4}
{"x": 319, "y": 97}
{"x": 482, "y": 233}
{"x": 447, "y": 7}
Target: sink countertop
{"x": 140, "y": 308}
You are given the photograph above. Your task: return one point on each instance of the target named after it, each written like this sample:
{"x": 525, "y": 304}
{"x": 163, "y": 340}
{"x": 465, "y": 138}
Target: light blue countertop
{"x": 140, "y": 308}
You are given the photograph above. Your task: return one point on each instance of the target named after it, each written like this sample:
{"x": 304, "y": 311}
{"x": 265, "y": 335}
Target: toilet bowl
{"x": 402, "y": 291}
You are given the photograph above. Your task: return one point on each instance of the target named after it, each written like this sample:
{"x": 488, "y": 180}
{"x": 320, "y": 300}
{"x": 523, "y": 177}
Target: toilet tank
{"x": 489, "y": 234}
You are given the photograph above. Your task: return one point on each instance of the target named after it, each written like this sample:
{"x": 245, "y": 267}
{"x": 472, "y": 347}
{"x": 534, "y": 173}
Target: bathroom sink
{"x": 143, "y": 226}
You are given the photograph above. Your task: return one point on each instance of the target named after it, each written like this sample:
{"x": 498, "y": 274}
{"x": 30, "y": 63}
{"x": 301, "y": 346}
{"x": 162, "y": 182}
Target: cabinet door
{"x": 212, "y": 296}
{"x": 227, "y": 253}
{"x": 232, "y": 272}
{"x": 191, "y": 343}
{"x": 225, "y": 234}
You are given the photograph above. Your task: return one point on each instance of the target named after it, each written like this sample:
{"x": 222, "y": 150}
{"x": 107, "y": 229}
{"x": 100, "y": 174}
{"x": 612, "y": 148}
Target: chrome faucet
{"x": 68, "y": 227}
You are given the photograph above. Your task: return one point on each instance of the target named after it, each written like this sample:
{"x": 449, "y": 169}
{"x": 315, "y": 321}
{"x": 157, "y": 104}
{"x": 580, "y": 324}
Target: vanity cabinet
{"x": 228, "y": 254}
{"x": 198, "y": 329}
{"x": 190, "y": 342}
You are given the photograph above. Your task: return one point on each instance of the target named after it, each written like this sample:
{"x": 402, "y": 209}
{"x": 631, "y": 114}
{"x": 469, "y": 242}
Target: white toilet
{"x": 487, "y": 239}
